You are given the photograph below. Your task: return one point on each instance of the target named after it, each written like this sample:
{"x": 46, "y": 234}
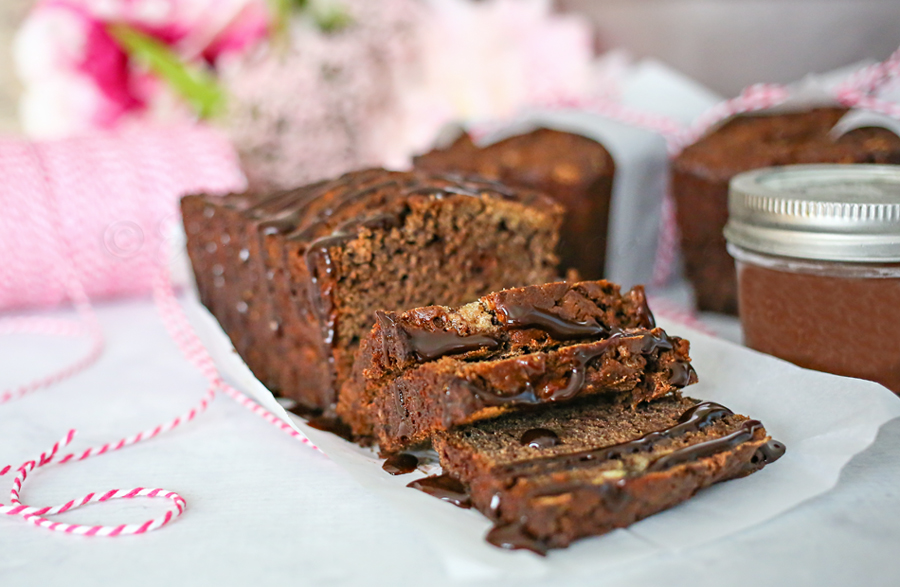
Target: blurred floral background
{"x": 340, "y": 84}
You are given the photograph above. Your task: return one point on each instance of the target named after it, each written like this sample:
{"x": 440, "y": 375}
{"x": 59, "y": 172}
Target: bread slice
{"x": 550, "y": 477}
{"x": 433, "y": 368}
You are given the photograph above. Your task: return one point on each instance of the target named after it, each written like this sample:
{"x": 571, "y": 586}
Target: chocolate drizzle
{"x": 519, "y": 316}
{"x": 446, "y": 488}
{"x": 516, "y": 537}
{"x": 693, "y": 420}
{"x": 400, "y": 464}
{"x": 708, "y": 448}
{"x": 427, "y": 346}
{"x": 540, "y": 438}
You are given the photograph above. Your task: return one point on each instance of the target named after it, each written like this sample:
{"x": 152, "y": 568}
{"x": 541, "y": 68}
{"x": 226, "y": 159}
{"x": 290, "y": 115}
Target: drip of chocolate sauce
{"x": 540, "y": 438}
{"x": 515, "y": 537}
{"x": 769, "y": 452}
{"x": 400, "y": 464}
{"x": 426, "y": 346}
{"x": 651, "y": 343}
{"x": 444, "y": 487}
{"x": 429, "y": 345}
{"x": 315, "y": 419}
{"x": 682, "y": 375}
{"x": 644, "y": 312}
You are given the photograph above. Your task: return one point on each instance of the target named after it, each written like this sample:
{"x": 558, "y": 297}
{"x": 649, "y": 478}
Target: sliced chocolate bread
{"x": 433, "y": 368}
{"x": 297, "y": 276}
{"x": 548, "y": 478}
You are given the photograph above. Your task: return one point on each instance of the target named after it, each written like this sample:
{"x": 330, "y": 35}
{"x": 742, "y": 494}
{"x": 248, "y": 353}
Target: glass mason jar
{"x": 817, "y": 249}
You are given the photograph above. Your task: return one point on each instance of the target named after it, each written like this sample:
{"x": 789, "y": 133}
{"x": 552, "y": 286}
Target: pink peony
{"x": 77, "y": 77}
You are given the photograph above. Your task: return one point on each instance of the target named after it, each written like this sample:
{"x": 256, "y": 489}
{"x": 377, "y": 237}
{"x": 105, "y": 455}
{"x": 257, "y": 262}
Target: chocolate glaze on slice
{"x": 708, "y": 448}
{"x": 520, "y": 316}
{"x": 428, "y": 345}
{"x": 530, "y": 395}
{"x": 693, "y": 420}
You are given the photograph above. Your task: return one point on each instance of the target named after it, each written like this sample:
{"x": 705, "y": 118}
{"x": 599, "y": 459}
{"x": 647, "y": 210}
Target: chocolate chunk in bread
{"x": 581, "y": 469}
{"x": 432, "y": 368}
{"x": 298, "y": 275}
{"x": 574, "y": 170}
{"x": 700, "y": 176}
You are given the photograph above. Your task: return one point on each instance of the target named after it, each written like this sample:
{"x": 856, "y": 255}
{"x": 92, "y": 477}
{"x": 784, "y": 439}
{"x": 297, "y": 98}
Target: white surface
{"x": 264, "y": 509}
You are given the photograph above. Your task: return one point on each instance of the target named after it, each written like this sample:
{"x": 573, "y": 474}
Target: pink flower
{"x": 78, "y": 77}
{"x": 380, "y": 90}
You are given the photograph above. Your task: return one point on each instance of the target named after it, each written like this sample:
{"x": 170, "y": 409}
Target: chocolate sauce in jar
{"x": 817, "y": 249}
{"x": 843, "y": 325}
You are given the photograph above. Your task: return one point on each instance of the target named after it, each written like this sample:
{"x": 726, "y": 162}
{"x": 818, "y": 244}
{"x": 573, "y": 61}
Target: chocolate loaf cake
{"x": 700, "y": 176}
{"x": 548, "y": 478}
{"x": 295, "y": 277}
{"x": 574, "y": 170}
{"x": 433, "y": 368}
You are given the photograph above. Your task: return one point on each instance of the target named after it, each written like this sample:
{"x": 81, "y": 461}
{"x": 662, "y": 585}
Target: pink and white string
{"x": 66, "y": 259}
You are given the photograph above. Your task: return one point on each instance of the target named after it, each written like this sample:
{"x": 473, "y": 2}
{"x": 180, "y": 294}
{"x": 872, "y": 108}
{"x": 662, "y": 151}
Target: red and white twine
{"x": 65, "y": 262}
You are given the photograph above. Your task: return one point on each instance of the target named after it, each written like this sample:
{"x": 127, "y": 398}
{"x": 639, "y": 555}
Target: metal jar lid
{"x": 824, "y": 212}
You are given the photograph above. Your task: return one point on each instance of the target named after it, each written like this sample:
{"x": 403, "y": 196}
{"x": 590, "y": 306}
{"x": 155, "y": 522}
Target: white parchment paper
{"x": 823, "y": 419}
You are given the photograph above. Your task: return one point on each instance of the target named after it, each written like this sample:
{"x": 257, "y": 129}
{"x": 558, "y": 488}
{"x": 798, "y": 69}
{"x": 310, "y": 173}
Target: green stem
{"x": 197, "y": 86}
